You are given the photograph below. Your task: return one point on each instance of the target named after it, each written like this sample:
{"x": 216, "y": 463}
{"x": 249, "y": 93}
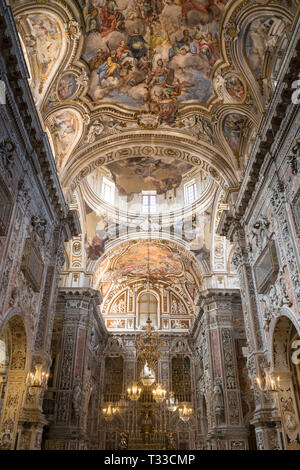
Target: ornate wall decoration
{"x": 230, "y": 379}
{"x": 266, "y": 267}
{"x": 6, "y": 206}
{"x": 296, "y": 211}
{"x": 32, "y": 265}
{"x": 181, "y": 378}
{"x": 113, "y": 377}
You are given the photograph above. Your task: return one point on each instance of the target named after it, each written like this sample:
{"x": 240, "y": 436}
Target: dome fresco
{"x": 134, "y": 175}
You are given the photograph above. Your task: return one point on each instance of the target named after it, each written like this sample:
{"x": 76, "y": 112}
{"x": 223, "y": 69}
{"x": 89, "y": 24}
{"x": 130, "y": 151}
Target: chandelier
{"x": 38, "y": 378}
{"x": 134, "y": 392}
{"x": 110, "y": 411}
{"x": 185, "y": 411}
{"x": 159, "y": 394}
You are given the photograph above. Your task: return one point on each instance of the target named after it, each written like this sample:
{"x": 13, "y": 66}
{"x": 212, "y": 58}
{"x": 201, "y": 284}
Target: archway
{"x": 286, "y": 365}
{"x": 14, "y": 353}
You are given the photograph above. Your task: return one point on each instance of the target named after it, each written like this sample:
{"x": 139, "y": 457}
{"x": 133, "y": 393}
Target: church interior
{"x": 150, "y": 225}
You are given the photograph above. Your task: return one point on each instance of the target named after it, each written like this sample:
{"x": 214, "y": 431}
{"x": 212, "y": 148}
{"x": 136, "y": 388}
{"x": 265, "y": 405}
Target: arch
{"x": 205, "y": 157}
{"x": 14, "y": 333}
{"x": 279, "y": 330}
{"x": 284, "y": 331}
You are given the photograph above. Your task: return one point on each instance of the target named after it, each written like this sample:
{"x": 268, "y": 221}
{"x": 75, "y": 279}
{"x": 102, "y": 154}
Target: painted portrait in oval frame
{"x": 235, "y": 88}
{"x": 67, "y": 86}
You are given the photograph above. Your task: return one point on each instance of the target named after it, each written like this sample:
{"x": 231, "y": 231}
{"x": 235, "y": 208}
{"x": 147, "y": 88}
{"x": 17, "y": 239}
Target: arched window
{"x": 147, "y": 305}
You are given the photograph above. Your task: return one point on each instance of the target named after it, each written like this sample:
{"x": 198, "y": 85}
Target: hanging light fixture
{"x": 185, "y": 411}
{"x": 171, "y": 403}
{"x": 134, "y": 392}
{"x": 159, "y": 393}
{"x": 147, "y": 376}
{"x": 269, "y": 384}
{"x": 109, "y": 412}
{"x": 38, "y": 378}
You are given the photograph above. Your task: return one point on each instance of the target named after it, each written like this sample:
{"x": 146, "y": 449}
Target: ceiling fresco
{"x": 262, "y": 35}
{"x": 47, "y": 35}
{"x": 134, "y": 175}
{"x": 128, "y": 262}
{"x": 161, "y": 261}
{"x": 149, "y": 92}
{"x": 153, "y": 54}
{"x": 188, "y": 66}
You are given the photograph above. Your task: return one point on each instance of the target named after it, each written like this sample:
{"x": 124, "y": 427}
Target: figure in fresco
{"x": 158, "y": 35}
{"x": 235, "y": 88}
{"x": 137, "y": 45}
{"x": 165, "y": 52}
{"x": 233, "y": 127}
{"x": 112, "y": 18}
{"x": 207, "y": 45}
{"x": 262, "y": 35}
{"x": 98, "y": 59}
{"x": 66, "y": 87}
{"x": 203, "y": 6}
{"x": 186, "y": 44}
{"x": 64, "y": 130}
{"x": 122, "y": 51}
{"x": 93, "y": 21}
{"x": 48, "y": 41}
{"x": 96, "y": 249}
{"x": 110, "y": 68}
{"x": 159, "y": 74}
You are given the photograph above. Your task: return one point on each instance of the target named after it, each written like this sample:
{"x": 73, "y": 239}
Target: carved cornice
{"x": 210, "y": 295}
{"x": 80, "y": 293}
{"x": 72, "y": 227}
{"x": 225, "y": 223}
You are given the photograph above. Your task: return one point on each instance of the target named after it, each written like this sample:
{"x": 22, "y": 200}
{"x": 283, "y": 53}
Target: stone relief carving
{"x": 39, "y": 225}
{"x": 230, "y": 380}
{"x": 7, "y": 156}
{"x": 77, "y": 397}
{"x": 276, "y": 298}
{"x": 218, "y": 401}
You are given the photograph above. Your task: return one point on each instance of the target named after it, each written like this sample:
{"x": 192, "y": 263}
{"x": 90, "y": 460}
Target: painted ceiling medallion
{"x": 67, "y": 86}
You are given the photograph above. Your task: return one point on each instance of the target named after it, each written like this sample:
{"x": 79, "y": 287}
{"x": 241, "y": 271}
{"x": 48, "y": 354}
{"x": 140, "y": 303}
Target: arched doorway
{"x": 13, "y": 375}
{"x": 284, "y": 337}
